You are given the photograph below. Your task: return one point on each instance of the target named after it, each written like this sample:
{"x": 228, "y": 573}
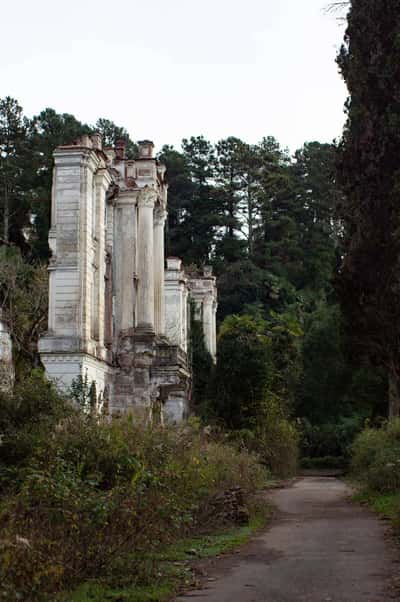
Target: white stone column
{"x": 110, "y": 225}
{"x": 71, "y": 347}
{"x": 51, "y": 323}
{"x": 145, "y": 262}
{"x": 109, "y": 275}
{"x": 174, "y": 283}
{"x": 88, "y": 201}
{"x": 124, "y": 260}
{"x": 185, "y": 318}
{"x": 159, "y": 268}
{"x": 208, "y": 322}
{"x": 102, "y": 182}
{"x": 214, "y": 330}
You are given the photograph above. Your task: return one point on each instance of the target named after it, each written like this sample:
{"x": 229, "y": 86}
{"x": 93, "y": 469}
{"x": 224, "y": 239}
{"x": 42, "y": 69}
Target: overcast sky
{"x": 168, "y": 69}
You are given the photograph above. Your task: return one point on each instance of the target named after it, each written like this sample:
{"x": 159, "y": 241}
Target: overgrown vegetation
{"x": 376, "y": 457}
{"x": 173, "y": 565}
{"x": 23, "y": 303}
{"x": 247, "y": 395}
{"x": 87, "y": 496}
{"x": 376, "y": 467}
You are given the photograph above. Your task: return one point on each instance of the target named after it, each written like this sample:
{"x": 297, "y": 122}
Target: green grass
{"x": 384, "y": 504}
{"x": 212, "y": 545}
{"x": 96, "y": 592}
{"x": 171, "y": 568}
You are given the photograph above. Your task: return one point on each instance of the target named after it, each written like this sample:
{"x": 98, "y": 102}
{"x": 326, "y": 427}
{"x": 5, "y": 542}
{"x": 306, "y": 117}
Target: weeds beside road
{"x": 93, "y": 501}
{"x": 375, "y": 470}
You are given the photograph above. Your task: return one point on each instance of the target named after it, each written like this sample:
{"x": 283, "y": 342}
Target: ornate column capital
{"x": 147, "y": 197}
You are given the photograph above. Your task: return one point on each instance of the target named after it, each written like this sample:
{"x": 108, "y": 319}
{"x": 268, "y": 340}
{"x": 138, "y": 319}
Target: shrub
{"x": 99, "y": 490}
{"x": 274, "y": 438}
{"x": 278, "y": 446}
{"x": 323, "y": 462}
{"x": 28, "y": 417}
{"x": 255, "y": 358}
{"x": 376, "y": 457}
{"x": 331, "y": 438}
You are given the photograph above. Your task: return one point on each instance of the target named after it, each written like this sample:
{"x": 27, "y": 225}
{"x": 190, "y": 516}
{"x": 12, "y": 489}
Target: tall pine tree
{"x": 369, "y": 171}
{"x": 14, "y": 176}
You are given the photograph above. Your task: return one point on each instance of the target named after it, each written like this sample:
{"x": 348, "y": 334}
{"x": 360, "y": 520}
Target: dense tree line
{"x": 264, "y": 221}
{"x": 267, "y": 223}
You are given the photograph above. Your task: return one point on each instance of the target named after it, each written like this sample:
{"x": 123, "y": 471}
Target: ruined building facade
{"x": 116, "y": 315}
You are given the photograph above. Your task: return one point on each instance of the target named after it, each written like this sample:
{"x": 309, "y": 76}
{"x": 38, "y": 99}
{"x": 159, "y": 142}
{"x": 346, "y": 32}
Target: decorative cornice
{"x": 59, "y": 357}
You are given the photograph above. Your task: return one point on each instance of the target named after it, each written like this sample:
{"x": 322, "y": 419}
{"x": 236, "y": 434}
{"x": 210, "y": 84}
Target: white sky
{"x": 168, "y": 69}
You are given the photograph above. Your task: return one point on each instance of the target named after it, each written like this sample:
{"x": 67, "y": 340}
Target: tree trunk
{"x": 6, "y": 217}
{"x": 250, "y": 221}
{"x": 394, "y": 392}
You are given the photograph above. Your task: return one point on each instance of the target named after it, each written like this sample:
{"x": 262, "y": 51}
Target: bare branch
{"x": 335, "y": 7}
{"x": 338, "y": 8}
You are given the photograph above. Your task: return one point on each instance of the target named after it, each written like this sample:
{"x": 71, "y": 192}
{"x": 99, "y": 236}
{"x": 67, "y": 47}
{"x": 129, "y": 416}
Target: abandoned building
{"x": 117, "y": 314}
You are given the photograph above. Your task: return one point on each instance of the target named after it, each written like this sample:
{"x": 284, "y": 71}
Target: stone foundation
{"x": 150, "y": 369}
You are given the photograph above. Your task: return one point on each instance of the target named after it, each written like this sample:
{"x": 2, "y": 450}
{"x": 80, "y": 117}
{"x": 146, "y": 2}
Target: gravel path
{"x": 319, "y": 548}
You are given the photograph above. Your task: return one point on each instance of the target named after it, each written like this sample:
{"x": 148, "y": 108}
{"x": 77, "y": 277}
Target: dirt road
{"x": 320, "y": 548}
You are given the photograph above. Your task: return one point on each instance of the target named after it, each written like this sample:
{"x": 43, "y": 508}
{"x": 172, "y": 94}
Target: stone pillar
{"x": 86, "y": 256}
{"x": 102, "y": 182}
{"x": 108, "y": 304}
{"x": 71, "y": 243}
{"x": 176, "y": 294}
{"x": 208, "y": 322}
{"x": 51, "y": 320}
{"x": 124, "y": 260}
{"x": 159, "y": 310}
{"x": 176, "y": 408}
{"x": 6, "y": 360}
{"x": 110, "y": 225}
{"x": 185, "y": 319}
{"x": 109, "y": 277}
{"x": 145, "y": 262}
{"x": 74, "y": 344}
{"x": 203, "y": 292}
{"x": 214, "y": 330}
